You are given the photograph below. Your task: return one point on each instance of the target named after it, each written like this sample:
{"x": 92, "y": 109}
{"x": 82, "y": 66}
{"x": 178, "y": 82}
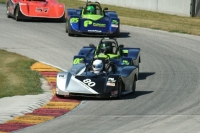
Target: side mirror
{"x": 106, "y": 8}
{"x": 121, "y": 46}
{"x": 81, "y": 7}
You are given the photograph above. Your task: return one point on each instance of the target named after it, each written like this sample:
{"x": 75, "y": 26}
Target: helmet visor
{"x": 98, "y": 66}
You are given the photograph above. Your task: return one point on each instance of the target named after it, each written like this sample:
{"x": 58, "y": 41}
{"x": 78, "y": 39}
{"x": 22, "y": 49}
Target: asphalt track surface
{"x": 167, "y": 97}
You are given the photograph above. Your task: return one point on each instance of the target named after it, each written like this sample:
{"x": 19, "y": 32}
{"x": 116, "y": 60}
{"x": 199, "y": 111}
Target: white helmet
{"x": 97, "y": 66}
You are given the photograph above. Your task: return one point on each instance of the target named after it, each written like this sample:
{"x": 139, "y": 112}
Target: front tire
{"x": 67, "y": 28}
{"x": 17, "y": 12}
{"x": 7, "y": 10}
{"x": 116, "y": 34}
{"x": 119, "y": 88}
{"x": 134, "y": 86}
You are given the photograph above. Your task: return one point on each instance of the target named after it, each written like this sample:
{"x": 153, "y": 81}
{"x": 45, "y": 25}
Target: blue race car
{"x": 92, "y": 20}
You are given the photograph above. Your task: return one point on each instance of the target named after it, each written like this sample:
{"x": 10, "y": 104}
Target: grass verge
{"x": 16, "y": 76}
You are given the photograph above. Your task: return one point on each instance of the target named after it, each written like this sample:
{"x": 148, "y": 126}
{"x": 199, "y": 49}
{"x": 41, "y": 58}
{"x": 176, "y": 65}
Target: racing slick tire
{"x": 134, "y": 85}
{"x": 116, "y": 34}
{"x": 67, "y": 28}
{"x": 17, "y": 13}
{"x": 7, "y": 10}
{"x": 119, "y": 88}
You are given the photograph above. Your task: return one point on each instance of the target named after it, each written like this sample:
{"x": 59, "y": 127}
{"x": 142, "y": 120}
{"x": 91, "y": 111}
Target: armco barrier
{"x": 176, "y": 7}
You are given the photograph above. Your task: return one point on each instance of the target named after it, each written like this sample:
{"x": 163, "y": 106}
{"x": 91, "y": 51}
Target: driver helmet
{"x": 97, "y": 66}
{"x": 106, "y": 48}
{"x": 90, "y": 10}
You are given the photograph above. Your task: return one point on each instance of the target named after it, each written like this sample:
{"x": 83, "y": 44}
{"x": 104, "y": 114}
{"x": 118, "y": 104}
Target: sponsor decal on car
{"x": 99, "y": 25}
{"x": 94, "y": 31}
{"x": 61, "y": 76}
{"x": 125, "y": 62}
{"x": 114, "y": 23}
{"x": 111, "y": 82}
{"x": 88, "y": 22}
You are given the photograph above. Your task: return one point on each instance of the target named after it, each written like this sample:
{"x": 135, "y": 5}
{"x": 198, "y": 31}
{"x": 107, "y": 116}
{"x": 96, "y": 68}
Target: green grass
{"x": 16, "y": 76}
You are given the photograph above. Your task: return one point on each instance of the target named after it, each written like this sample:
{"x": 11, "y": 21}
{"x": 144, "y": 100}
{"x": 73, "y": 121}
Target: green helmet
{"x": 106, "y": 48}
{"x": 90, "y": 10}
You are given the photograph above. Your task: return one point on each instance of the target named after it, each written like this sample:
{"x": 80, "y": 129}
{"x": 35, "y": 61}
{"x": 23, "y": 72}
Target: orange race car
{"x": 35, "y": 9}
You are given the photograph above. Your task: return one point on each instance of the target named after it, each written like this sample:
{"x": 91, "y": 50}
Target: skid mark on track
{"x": 54, "y": 108}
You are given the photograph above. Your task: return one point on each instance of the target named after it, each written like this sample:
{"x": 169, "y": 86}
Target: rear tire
{"x": 62, "y": 19}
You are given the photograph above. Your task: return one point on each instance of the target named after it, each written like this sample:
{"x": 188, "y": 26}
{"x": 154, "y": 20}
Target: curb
{"x": 54, "y": 108}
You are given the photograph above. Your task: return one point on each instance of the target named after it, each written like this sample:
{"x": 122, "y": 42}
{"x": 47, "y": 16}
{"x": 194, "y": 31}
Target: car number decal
{"x": 74, "y": 20}
{"x": 89, "y": 82}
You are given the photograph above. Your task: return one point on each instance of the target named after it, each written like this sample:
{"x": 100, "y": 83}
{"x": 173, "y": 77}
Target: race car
{"x": 35, "y": 9}
{"x": 101, "y": 78}
{"x": 109, "y": 47}
{"x": 92, "y": 20}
